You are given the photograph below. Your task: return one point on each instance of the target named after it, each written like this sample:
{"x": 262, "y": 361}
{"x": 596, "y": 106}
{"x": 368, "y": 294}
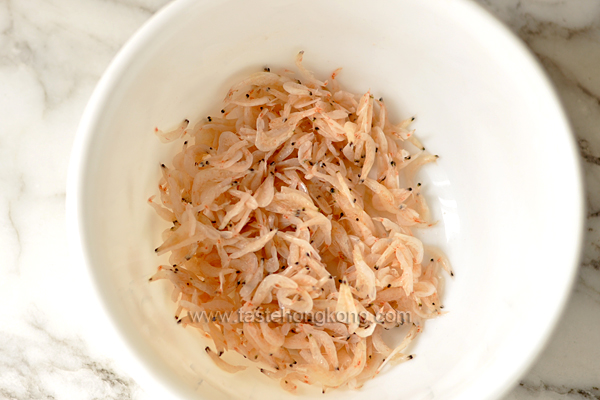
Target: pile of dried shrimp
{"x": 300, "y": 199}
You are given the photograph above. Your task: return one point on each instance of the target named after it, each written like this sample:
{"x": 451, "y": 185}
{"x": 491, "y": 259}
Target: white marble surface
{"x": 52, "y": 52}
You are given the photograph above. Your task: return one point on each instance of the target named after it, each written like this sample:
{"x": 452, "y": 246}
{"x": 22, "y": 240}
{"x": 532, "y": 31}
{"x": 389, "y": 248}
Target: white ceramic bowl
{"x": 507, "y": 188}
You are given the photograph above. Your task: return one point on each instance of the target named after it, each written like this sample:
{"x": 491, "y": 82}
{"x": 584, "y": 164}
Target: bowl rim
{"x": 131, "y": 359}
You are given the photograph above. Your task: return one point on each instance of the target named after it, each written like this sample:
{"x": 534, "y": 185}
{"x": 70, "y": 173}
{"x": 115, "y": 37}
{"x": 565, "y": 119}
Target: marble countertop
{"x": 52, "y": 53}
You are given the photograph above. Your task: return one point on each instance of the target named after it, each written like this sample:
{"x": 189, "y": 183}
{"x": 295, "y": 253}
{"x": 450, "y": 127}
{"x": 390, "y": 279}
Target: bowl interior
{"x": 481, "y": 104}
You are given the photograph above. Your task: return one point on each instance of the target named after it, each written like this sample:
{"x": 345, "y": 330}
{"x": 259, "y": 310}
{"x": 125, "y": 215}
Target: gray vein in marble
{"x": 10, "y": 26}
{"x": 589, "y": 92}
{"x": 594, "y": 214}
{"x": 533, "y": 27}
{"x": 584, "y": 146}
{"x": 571, "y": 14}
{"x": 17, "y": 234}
{"x": 140, "y": 5}
{"x": 44, "y": 42}
{"x": 532, "y": 31}
{"x": 41, "y": 365}
{"x": 584, "y": 151}
{"x": 595, "y": 264}
{"x": 19, "y": 52}
{"x": 575, "y": 393}
{"x": 13, "y": 223}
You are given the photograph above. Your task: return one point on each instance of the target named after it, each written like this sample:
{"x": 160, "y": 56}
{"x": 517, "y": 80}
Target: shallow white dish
{"x": 507, "y": 188}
